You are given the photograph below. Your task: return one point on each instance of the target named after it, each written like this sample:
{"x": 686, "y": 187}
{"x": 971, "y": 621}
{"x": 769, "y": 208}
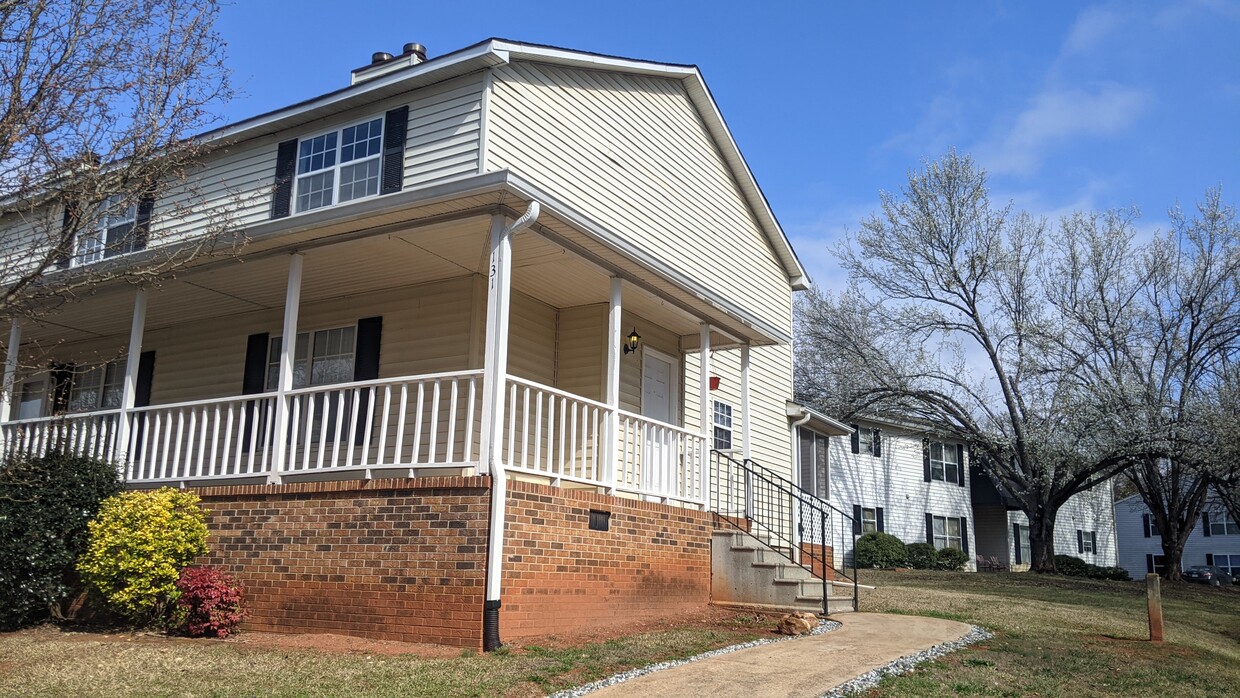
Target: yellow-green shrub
{"x": 139, "y": 543}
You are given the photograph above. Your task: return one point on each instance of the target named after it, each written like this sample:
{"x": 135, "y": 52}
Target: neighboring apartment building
{"x": 496, "y": 309}
{"x": 906, "y": 480}
{"x": 1215, "y": 540}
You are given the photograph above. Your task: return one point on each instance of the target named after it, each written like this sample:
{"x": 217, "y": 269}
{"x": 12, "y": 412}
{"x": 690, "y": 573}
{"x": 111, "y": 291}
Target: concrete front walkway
{"x": 808, "y": 666}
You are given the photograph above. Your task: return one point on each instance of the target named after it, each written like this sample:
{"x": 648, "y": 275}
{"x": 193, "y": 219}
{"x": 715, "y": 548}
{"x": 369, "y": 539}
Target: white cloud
{"x": 1091, "y": 29}
{"x": 1059, "y": 115}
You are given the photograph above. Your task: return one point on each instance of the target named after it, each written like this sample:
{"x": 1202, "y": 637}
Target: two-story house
{"x": 907, "y": 480}
{"x": 1215, "y": 540}
{"x": 495, "y": 310}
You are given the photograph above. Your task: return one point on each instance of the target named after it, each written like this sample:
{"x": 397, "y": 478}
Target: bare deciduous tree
{"x": 99, "y": 101}
{"x": 949, "y": 321}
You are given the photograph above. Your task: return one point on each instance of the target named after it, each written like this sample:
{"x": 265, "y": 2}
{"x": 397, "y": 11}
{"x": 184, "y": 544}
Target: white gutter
{"x": 499, "y": 480}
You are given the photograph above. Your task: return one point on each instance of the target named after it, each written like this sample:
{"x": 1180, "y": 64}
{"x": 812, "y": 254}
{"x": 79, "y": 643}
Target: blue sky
{"x": 1068, "y": 105}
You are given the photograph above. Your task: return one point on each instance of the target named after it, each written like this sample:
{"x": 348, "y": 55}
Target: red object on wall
{"x": 714, "y": 382}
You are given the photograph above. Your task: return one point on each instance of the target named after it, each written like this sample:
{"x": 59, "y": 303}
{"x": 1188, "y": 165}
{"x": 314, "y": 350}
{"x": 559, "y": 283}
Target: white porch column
{"x": 495, "y": 355}
{"x": 288, "y": 353}
{"x": 133, "y": 355}
{"x": 7, "y": 401}
{"x": 705, "y": 416}
{"x": 612, "y": 393}
{"x": 746, "y": 433}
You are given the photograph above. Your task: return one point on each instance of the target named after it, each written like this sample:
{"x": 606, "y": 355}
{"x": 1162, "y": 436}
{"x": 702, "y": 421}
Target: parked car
{"x": 1207, "y": 574}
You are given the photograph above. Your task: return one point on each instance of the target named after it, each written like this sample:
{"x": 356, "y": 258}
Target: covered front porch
{"x": 447, "y": 343}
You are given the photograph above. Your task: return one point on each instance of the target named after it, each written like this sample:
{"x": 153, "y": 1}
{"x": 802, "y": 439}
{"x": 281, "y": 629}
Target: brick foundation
{"x": 400, "y": 559}
{"x": 560, "y": 575}
{"x": 814, "y": 554}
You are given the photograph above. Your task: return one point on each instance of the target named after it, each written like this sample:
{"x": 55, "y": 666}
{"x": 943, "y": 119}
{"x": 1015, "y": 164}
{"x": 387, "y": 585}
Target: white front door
{"x": 658, "y": 403}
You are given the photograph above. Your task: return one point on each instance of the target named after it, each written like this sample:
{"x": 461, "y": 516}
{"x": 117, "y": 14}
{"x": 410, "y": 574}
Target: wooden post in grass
{"x": 1153, "y": 603}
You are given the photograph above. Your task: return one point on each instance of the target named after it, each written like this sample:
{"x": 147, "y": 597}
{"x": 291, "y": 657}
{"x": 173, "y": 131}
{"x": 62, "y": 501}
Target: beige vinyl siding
{"x": 581, "y": 352}
{"x": 632, "y": 153}
{"x": 27, "y": 235}
{"x": 656, "y": 338}
{"x": 235, "y": 184}
{"x": 770, "y": 386}
{"x": 531, "y": 339}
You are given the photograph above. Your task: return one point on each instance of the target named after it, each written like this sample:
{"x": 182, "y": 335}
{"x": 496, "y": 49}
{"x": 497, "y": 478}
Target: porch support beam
{"x": 746, "y": 449}
{"x": 288, "y": 349}
{"x": 705, "y": 416}
{"x": 612, "y": 392}
{"x": 129, "y": 391}
{"x": 10, "y": 371}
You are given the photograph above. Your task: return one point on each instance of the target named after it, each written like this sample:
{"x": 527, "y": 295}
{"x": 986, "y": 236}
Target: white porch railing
{"x": 562, "y": 436}
{"x": 411, "y": 422}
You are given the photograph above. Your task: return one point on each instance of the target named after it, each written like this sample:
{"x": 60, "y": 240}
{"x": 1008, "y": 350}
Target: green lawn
{"x": 1056, "y": 636}
{"x": 46, "y": 662}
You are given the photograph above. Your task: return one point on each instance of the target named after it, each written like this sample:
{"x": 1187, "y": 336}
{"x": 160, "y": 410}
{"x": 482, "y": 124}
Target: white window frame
{"x": 1089, "y": 542}
{"x": 820, "y": 489}
{"x": 1160, "y": 563}
{"x": 1222, "y": 525}
{"x": 309, "y": 359}
{"x": 1024, "y": 544}
{"x": 33, "y": 391}
{"x": 100, "y": 373}
{"x": 1233, "y": 563}
{"x": 97, "y": 235}
{"x": 338, "y": 164}
{"x": 943, "y": 463}
{"x": 869, "y": 520}
{"x": 946, "y": 537}
{"x": 721, "y": 419}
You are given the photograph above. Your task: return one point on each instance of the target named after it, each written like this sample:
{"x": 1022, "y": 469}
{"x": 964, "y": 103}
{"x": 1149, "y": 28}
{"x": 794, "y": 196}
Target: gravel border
{"x": 824, "y": 626}
{"x": 906, "y": 664}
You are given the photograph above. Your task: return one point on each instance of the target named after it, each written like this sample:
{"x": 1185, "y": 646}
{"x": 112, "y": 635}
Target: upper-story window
{"x": 1222, "y": 525}
{"x": 340, "y": 165}
{"x": 944, "y": 462}
{"x": 118, "y": 227}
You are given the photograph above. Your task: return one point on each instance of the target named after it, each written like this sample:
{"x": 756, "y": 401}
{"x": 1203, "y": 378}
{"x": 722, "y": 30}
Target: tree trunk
{"x": 1173, "y": 551}
{"x": 1041, "y": 540}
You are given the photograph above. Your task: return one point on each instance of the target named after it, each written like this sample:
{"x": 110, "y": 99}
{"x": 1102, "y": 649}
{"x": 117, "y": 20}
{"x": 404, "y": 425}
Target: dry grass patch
{"x": 1057, "y": 636}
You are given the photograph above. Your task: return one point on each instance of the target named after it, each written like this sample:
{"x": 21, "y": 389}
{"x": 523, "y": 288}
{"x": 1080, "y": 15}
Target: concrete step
{"x": 749, "y": 572}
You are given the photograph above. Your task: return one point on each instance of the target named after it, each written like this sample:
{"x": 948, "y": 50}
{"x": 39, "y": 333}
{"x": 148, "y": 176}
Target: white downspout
{"x": 796, "y": 476}
{"x": 498, "y": 329}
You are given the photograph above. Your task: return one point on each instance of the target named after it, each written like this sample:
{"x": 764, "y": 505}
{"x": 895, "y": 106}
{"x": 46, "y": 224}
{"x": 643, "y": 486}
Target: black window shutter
{"x": 930, "y": 528}
{"x": 394, "y": 150}
{"x": 1210, "y": 559}
{"x": 1080, "y": 541}
{"x": 960, "y": 464}
{"x": 1149, "y": 564}
{"x": 68, "y": 235}
{"x": 254, "y": 380}
{"x": 286, "y": 164}
{"x": 964, "y": 534}
{"x": 145, "y": 377}
{"x": 856, "y": 438}
{"x": 879, "y": 514}
{"x": 62, "y": 384}
{"x": 366, "y": 365}
{"x": 1145, "y": 524}
{"x": 857, "y": 519}
{"x": 876, "y": 442}
{"x": 142, "y": 225}
{"x": 925, "y": 460}
{"x": 1016, "y": 543}
{"x": 1205, "y": 524}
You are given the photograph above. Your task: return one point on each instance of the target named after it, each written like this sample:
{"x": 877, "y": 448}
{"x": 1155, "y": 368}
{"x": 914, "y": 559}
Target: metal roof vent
{"x": 382, "y": 62}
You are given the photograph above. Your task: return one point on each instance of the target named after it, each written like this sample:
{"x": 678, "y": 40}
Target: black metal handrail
{"x": 767, "y": 501}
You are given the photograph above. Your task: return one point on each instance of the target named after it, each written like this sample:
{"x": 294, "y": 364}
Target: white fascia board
{"x": 581, "y": 59}
{"x": 827, "y": 425}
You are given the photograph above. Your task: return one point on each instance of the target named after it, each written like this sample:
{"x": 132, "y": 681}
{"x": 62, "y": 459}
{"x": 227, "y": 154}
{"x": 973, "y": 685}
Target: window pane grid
{"x": 944, "y": 463}
{"x": 340, "y": 166}
{"x": 947, "y": 533}
{"x": 722, "y": 419}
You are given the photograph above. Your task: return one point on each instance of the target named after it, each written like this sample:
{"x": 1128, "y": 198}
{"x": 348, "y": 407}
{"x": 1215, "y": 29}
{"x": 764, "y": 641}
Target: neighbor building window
{"x": 947, "y": 533}
{"x": 33, "y": 399}
{"x": 1157, "y": 564}
{"x": 1088, "y": 541}
{"x": 1024, "y": 551}
{"x": 944, "y": 462}
{"x": 1222, "y": 525}
{"x": 723, "y": 425}
{"x": 869, "y": 520}
{"x": 339, "y": 166}
{"x": 813, "y": 461}
{"x": 96, "y": 387}
{"x": 1229, "y": 563}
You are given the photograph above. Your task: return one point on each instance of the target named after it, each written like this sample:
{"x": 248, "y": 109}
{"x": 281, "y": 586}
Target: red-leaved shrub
{"x": 210, "y": 602}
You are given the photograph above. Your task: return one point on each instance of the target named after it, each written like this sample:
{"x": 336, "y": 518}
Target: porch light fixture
{"x": 631, "y": 342}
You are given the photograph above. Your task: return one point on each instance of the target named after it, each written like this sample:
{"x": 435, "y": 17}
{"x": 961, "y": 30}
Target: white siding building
{"x": 1215, "y": 539}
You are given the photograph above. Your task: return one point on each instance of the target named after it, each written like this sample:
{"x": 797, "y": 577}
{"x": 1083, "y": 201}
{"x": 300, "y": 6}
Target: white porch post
{"x": 705, "y": 417}
{"x": 288, "y": 353}
{"x": 612, "y": 393}
{"x": 133, "y": 355}
{"x": 10, "y": 371}
{"x": 495, "y": 356}
{"x": 746, "y": 448}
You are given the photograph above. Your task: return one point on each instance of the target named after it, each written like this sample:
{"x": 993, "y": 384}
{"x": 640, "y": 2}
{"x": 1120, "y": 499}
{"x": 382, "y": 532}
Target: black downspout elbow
{"x": 490, "y": 626}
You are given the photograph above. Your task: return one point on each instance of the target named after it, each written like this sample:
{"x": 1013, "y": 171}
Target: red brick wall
{"x": 560, "y": 575}
{"x": 815, "y": 555}
{"x": 400, "y": 559}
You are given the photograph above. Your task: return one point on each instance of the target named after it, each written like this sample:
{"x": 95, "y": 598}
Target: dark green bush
{"x": 45, "y": 504}
{"x": 1070, "y": 566}
{"x": 952, "y": 559}
{"x": 1115, "y": 574}
{"x": 922, "y": 556}
{"x": 880, "y": 550}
